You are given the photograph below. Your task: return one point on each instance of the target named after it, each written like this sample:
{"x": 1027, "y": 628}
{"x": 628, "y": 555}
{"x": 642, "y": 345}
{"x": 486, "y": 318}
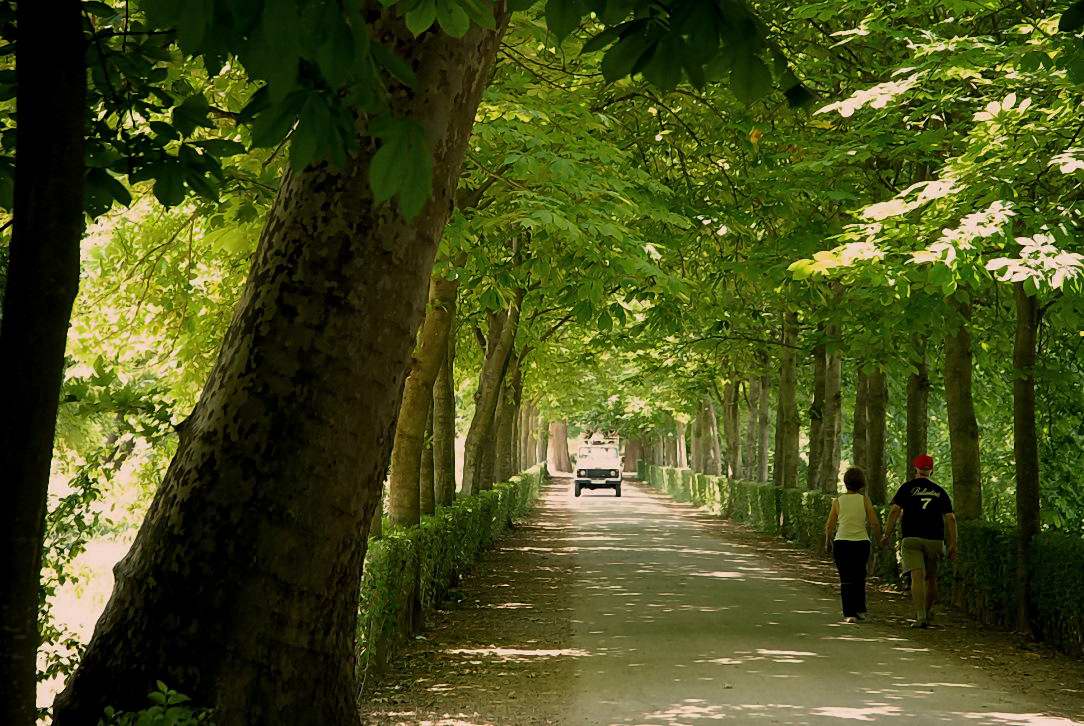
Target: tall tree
{"x": 963, "y": 424}
{"x": 42, "y": 282}
{"x": 816, "y": 415}
{"x": 1025, "y": 446}
{"x": 444, "y": 427}
{"x": 918, "y": 401}
{"x": 876, "y": 426}
{"x": 832, "y": 422}
{"x": 291, "y": 436}
{"x": 557, "y": 457}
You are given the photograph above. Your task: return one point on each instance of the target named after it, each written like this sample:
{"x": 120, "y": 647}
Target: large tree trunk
{"x": 444, "y": 429}
{"x": 682, "y": 457}
{"x": 427, "y": 498}
{"x": 240, "y": 589}
{"x": 633, "y": 454}
{"x": 505, "y": 429}
{"x": 832, "y": 424}
{"x": 731, "y": 425}
{"x": 816, "y": 416}
{"x": 542, "y": 438}
{"x": 479, "y": 443}
{"x": 42, "y": 282}
{"x": 557, "y": 457}
{"x": 963, "y": 426}
{"x": 788, "y": 402}
{"x": 764, "y": 429}
{"x": 696, "y": 443}
{"x": 429, "y": 356}
{"x": 714, "y": 447}
{"x": 1026, "y": 448}
{"x": 918, "y": 400}
{"x": 860, "y": 425}
{"x": 877, "y": 408}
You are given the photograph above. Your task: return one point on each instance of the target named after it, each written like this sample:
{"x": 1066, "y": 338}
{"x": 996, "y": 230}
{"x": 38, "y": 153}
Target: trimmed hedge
{"x": 408, "y": 571}
{"x": 981, "y": 580}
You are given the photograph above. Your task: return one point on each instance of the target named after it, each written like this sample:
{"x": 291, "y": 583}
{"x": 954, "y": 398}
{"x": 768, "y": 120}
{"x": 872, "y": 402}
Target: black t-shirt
{"x": 924, "y": 505}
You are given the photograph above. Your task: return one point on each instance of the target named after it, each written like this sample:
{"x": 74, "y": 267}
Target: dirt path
{"x": 640, "y": 610}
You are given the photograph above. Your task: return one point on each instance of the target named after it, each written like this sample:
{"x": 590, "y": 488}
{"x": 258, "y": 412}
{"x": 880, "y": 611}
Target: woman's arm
{"x": 830, "y": 525}
{"x": 873, "y": 519}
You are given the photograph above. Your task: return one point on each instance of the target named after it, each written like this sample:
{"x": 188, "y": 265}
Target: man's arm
{"x": 890, "y": 526}
{"x": 950, "y": 534}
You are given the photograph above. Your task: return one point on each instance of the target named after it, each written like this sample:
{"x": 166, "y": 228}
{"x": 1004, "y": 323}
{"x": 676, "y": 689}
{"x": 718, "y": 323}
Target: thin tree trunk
{"x": 877, "y": 409}
{"x": 429, "y": 355}
{"x": 42, "y": 283}
{"x": 963, "y": 426}
{"x": 696, "y": 442}
{"x": 715, "y": 464}
{"x": 240, "y": 589}
{"x": 504, "y": 433}
{"x": 752, "y": 400}
{"x": 918, "y": 399}
{"x": 542, "y": 437}
{"x": 557, "y": 454}
{"x": 832, "y": 424}
{"x": 444, "y": 428}
{"x": 426, "y": 474}
{"x": 502, "y": 335}
{"x": 730, "y": 430}
{"x": 816, "y": 416}
{"x": 679, "y": 443}
{"x": 764, "y": 429}
{"x": 860, "y": 422}
{"x": 1025, "y": 447}
{"x": 788, "y": 401}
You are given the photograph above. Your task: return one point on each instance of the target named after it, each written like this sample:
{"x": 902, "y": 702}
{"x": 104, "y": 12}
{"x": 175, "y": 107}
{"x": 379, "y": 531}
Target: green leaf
{"x": 750, "y": 79}
{"x": 169, "y": 185}
{"x": 664, "y": 70}
{"x": 453, "y": 19}
{"x": 421, "y": 17}
{"x": 393, "y": 64}
{"x": 623, "y": 57}
{"x": 563, "y": 16}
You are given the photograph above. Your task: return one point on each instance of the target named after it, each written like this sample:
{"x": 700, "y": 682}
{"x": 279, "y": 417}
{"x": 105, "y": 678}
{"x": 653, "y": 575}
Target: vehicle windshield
{"x": 601, "y": 455}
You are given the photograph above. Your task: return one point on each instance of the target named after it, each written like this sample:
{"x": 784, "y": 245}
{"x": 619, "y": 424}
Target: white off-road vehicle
{"x": 598, "y": 466}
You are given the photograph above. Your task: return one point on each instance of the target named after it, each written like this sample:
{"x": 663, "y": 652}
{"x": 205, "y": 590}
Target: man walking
{"x": 927, "y": 517}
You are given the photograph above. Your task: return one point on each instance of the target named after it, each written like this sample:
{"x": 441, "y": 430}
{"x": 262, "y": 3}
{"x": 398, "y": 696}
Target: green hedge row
{"x": 408, "y": 571}
{"x": 981, "y": 581}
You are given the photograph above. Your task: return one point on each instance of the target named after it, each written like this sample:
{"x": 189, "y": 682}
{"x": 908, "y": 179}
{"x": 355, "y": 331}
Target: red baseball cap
{"x": 923, "y": 462}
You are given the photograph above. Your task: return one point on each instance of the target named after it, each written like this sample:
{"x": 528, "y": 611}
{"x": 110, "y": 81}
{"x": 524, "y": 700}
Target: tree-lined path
{"x": 646, "y": 614}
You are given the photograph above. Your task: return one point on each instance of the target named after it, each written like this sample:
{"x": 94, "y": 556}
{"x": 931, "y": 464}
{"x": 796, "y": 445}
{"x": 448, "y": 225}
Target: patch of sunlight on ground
{"x": 866, "y": 713}
{"x": 1025, "y": 719}
{"x": 527, "y": 653}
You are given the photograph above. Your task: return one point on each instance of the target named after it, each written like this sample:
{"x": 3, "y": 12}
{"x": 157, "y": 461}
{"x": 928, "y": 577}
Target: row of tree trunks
{"x": 752, "y": 404}
{"x": 541, "y": 438}
{"x": 633, "y": 454}
{"x": 478, "y": 452}
{"x": 444, "y": 429}
{"x": 713, "y": 448}
{"x": 730, "y": 430}
{"x": 557, "y": 458}
{"x": 291, "y": 437}
{"x": 963, "y": 425}
{"x": 1025, "y": 447}
{"x": 681, "y": 458}
{"x": 43, "y": 280}
{"x": 410, "y": 432}
{"x": 505, "y": 434}
{"x": 787, "y": 420}
{"x": 816, "y": 415}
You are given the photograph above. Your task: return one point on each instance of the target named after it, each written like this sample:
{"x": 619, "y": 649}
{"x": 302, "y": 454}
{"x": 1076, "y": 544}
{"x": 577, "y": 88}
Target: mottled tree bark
{"x": 816, "y": 416}
{"x": 541, "y": 438}
{"x": 876, "y": 425}
{"x": 963, "y": 425}
{"x": 682, "y": 460}
{"x": 1025, "y": 447}
{"x": 731, "y": 426}
{"x": 557, "y": 453}
{"x": 832, "y": 423}
{"x": 918, "y": 398}
{"x": 752, "y": 401}
{"x": 42, "y": 282}
{"x": 444, "y": 429}
{"x": 788, "y": 402}
{"x": 859, "y": 428}
{"x": 414, "y": 412}
{"x": 478, "y": 450}
{"x": 764, "y": 429}
{"x": 240, "y": 589}
{"x": 427, "y": 498}
{"x": 714, "y": 447}
{"x": 504, "y": 466}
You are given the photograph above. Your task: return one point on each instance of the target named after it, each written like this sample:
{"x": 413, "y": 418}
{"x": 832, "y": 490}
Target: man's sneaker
{"x": 920, "y": 624}
{"x": 850, "y": 619}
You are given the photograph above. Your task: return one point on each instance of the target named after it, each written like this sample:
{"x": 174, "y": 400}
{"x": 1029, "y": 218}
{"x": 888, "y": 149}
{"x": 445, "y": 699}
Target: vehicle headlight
{"x": 613, "y": 472}
{"x": 581, "y": 472}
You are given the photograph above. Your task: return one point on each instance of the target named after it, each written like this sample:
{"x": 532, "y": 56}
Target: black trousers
{"x": 851, "y": 559}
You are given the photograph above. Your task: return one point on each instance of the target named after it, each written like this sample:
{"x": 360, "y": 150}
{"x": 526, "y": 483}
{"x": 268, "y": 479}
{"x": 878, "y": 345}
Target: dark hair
{"x": 854, "y": 479}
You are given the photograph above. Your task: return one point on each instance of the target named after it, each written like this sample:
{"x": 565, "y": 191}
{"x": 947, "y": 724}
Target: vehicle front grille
{"x": 599, "y": 473}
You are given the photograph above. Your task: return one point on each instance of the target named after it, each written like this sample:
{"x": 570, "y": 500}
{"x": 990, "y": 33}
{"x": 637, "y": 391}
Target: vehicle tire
{"x": 617, "y": 490}
{"x": 577, "y": 490}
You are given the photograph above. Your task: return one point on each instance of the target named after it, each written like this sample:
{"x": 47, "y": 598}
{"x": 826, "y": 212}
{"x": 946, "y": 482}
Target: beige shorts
{"x": 919, "y": 553}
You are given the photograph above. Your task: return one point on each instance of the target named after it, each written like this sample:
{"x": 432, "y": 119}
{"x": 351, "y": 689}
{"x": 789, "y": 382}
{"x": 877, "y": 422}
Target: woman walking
{"x": 851, "y": 520}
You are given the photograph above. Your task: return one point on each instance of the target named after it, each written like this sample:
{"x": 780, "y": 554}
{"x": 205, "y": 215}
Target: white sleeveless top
{"x": 851, "y": 525}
